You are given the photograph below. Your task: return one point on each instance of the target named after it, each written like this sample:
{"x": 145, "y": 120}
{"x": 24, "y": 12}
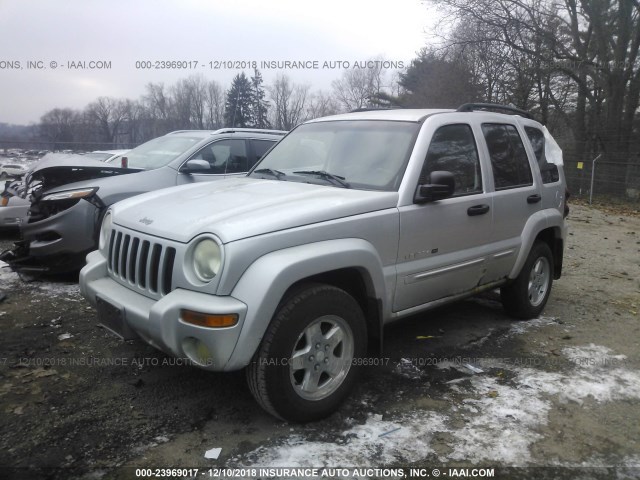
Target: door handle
{"x": 477, "y": 210}
{"x": 534, "y": 198}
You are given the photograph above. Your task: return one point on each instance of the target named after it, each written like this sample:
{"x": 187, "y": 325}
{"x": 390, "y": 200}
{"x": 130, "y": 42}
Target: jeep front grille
{"x": 145, "y": 264}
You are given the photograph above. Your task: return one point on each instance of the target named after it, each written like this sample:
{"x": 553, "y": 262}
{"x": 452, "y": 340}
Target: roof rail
{"x": 233, "y": 130}
{"x": 251, "y": 130}
{"x": 470, "y": 107}
{"x": 190, "y": 130}
{"x": 373, "y": 109}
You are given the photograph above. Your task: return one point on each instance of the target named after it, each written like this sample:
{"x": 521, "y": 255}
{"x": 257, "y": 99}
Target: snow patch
{"x": 406, "y": 368}
{"x": 71, "y": 291}
{"x": 494, "y": 418}
{"x": 8, "y": 278}
{"x": 520, "y": 327}
{"x": 502, "y": 424}
{"x": 380, "y": 441}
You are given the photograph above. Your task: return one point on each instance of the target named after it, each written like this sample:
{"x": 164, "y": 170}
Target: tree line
{"x": 574, "y": 64}
{"x": 198, "y": 103}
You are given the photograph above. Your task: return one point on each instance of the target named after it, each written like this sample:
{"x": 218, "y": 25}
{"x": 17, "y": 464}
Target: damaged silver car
{"x": 69, "y": 197}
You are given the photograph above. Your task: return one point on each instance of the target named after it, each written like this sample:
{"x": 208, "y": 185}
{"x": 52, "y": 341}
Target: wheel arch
{"x": 549, "y": 228}
{"x": 552, "y": 236}
{"x": 358, "y": 283}
{"x": 350, "y": 264}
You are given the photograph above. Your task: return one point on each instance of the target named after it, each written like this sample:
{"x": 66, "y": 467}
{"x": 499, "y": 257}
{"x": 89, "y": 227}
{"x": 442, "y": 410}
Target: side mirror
{"x": 195, "y": 166}
{"x": 441, "y": 185}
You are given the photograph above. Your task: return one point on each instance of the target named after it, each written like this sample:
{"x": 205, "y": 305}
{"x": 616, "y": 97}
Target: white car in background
{"x": 12, "y": 170}
{"x": 108, "y": 156}
{"x": 13, "y": 210}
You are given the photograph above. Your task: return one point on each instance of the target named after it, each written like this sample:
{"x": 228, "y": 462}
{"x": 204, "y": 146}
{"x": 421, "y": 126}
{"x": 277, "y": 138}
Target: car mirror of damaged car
{"x": 196, "y": 166}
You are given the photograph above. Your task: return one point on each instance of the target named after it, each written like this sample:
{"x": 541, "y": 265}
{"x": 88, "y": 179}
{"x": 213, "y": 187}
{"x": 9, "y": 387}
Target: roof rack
{"x": 251, "y": 130}
{"x": 470, "y": 107}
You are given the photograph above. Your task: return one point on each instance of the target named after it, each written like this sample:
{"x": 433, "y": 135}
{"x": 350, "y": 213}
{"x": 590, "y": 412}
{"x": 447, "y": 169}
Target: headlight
{"x": 207, "y": 259}
{"x": 69, "y": 194}
{"x": 105, "y": 230}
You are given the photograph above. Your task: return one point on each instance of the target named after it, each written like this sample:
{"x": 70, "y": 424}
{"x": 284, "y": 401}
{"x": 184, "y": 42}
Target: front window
{"x": 453, "y": 149}
{"x": 160, "y": 151}
{"x": 368, "y": 155}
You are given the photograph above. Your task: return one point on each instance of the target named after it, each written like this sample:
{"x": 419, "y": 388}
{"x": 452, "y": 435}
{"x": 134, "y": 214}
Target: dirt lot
{"x": 461, "y": 387}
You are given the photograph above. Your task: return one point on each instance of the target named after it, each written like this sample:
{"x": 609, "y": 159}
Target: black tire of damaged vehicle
{"x": 527, "y": 295}
{"x": 273, "y": 377}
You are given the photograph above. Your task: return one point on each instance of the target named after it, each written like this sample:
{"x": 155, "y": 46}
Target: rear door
{"x": 516, "y": 198}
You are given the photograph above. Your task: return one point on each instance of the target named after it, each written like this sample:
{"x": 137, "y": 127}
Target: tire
{"x": 527, "y": 295}
{"x": 295, "y": 375}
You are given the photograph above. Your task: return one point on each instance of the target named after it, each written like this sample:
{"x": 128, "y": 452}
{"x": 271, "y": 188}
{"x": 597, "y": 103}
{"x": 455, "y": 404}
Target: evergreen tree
{"x": 259, "y": 106}
{"x": 238, "y": 109}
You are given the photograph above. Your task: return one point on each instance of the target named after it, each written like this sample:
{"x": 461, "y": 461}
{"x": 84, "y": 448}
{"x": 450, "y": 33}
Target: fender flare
{"x": 538, "y": 222}
{"x": 267, "y": 279}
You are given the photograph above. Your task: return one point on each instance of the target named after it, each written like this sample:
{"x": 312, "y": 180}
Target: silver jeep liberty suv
{"x": 350, "y": 222}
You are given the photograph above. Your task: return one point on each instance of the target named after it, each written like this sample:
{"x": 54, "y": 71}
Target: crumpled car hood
{"x": 54, "y": 172}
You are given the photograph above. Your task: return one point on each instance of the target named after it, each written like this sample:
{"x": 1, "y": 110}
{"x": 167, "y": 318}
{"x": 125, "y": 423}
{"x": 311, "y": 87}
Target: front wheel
{"x": 527, "y": 295}
{"x": 304, "y": 367}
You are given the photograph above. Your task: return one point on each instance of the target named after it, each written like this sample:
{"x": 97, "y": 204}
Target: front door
{"x": 443, "y": 244}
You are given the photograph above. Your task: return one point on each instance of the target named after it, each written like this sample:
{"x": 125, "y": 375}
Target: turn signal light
{"x": 209, "y": 320}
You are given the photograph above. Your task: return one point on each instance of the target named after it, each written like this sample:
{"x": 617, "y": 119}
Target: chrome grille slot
{"x": 123, "y": 255}
{"x": 154, "y": 265}
{"x": 116, "y": 253}
{"x": 145, "y": 265}
{"x": 133, "y": 260}
{"x": 144, "y": 254}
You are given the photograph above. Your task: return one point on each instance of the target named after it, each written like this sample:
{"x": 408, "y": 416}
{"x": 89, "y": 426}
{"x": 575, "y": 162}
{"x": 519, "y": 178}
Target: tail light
{"x": 124, "y": 162}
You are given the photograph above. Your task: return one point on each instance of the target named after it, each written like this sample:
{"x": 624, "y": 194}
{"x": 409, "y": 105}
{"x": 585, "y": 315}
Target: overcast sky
{"x": 52, "y": 33}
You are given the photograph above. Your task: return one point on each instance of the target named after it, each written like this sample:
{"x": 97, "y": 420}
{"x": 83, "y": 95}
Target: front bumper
{"x": 57, "y": 244}
{"x": 158, "y": 322}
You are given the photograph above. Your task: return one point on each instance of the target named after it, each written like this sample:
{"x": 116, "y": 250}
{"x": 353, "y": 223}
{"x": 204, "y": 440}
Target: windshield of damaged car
{"x": 366, "y": 154}
{"x": 159, "y": 152}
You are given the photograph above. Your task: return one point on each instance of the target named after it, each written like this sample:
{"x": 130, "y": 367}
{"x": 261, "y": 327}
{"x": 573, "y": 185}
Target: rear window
{"x": 509, "y": 160}
{"x": 548, "y": 171}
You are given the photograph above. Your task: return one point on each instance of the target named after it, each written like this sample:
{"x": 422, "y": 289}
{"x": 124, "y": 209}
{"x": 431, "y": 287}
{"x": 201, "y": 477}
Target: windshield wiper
{"x": 274, "y": 173}
{"x": 337, "y": 179}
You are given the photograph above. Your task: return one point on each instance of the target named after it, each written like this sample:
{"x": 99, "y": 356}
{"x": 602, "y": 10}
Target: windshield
{"x": 159, "y": 152}
{"x": 368, "y": 155}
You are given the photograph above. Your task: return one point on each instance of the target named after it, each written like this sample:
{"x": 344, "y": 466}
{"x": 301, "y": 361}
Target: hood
{"x": 53, "y": 172}
{"x": 243, "y": 207}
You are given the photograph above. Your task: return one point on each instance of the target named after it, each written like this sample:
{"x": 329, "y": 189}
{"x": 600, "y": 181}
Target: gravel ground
{"x": 460, "y": 387}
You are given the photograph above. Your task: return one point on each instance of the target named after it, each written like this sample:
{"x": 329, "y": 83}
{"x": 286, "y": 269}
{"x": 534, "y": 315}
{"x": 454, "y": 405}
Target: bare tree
{"x": 593, "y": 44}
{"x": 197, "y": 86}
{"x": 59, "y": 126}
{"x": 289, "y": 102}
{"x": 358, "y": 87}
{"x": 105, "y": 116}
{"x": 182, "y": 96}
{"x": 321, "y": 104}
{"x": 214, "y": 105}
